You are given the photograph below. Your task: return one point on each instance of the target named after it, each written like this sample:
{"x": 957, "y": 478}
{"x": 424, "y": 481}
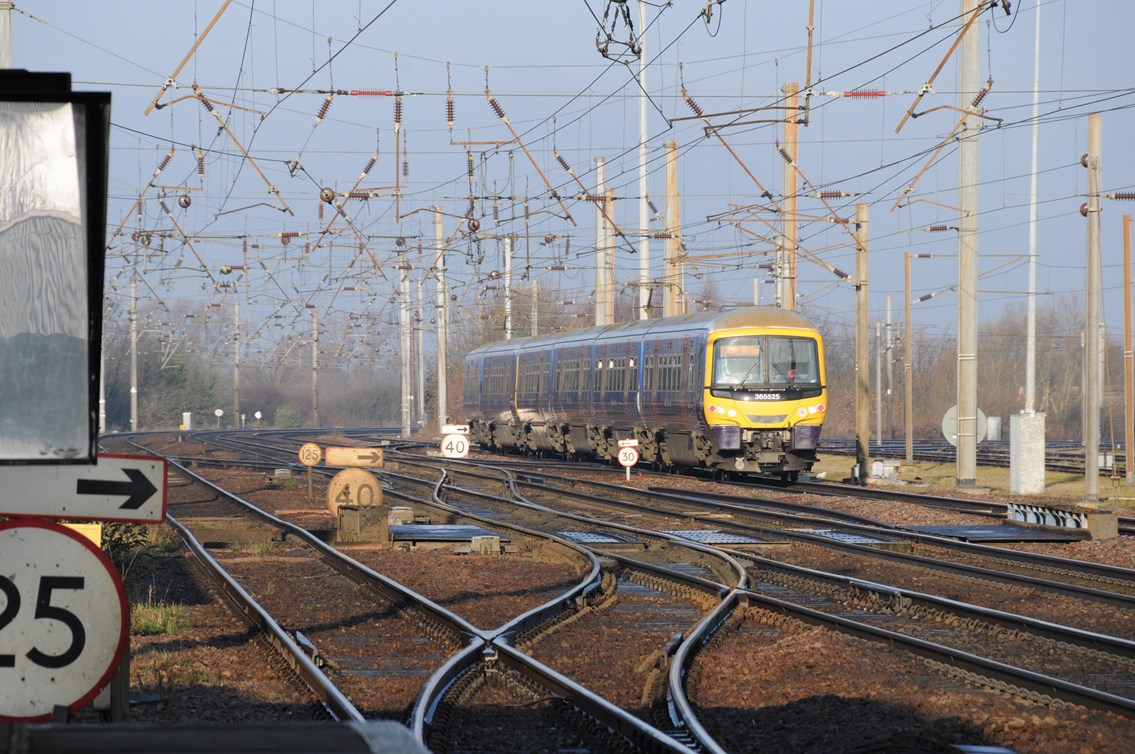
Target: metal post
{"x": 134, "y": 354}
{"x": 6, "y": 34}
{"x": 508, "y": 287}
{"x": 1128, "y": 365}
{"x": 643, "y": 209}
{"x": 908, "y": 370}
{"x": 236, "y": 362}
{"x": 672, "y": 277}
{"x": 420, "y": 359}
{"x": 602, "y": 243}
{"x": 862, "y": 397}
{"x": 442, "y": 320}
{"x": 1030, "y": 336}
{"x": 404, "y": 332}
{"x": 1026, "y": 429}
{"x": 879, "y": 383}
{"x": 888, "y": 350}
{"x": 968, "y": 69}
{"x": 790, "y": 183}
{"x": 1092, "y": 316}
{"x": 314, "y": 367}
{"x": 535, "y": 313}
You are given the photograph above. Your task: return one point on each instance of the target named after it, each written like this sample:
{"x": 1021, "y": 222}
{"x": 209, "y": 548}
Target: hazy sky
{"x": 263, "y": 169}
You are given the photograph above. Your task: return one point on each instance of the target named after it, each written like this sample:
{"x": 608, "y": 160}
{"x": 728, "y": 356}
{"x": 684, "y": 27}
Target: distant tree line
{"x": 195, "y": 372}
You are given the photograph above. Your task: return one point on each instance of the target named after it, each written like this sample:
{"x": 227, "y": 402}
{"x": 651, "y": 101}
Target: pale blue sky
{"x": 563, "y": 98}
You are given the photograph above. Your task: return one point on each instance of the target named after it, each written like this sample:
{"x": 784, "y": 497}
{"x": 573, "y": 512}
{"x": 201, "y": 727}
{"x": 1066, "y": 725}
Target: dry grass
{"x": 943, "y": 477}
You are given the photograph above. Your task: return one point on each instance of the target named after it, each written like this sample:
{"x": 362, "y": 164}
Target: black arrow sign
{"x": 138, "y": 490}
{"x": 373, "y": 457}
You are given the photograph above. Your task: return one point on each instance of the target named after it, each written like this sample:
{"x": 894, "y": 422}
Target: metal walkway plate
{"x": 713, "y": 537}
{"x": 439, "y": 533}
{"x": 842, "y": 536}
{"x": 1001, "y": 533}
{"x": 596, "y": 538}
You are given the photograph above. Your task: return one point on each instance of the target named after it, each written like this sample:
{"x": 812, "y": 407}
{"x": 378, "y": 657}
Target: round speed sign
{"x": 628, "y": 456}
{"x": 310, "y": 454}
{"x": 455, "y": 446}
{"x": 65, "y": 623}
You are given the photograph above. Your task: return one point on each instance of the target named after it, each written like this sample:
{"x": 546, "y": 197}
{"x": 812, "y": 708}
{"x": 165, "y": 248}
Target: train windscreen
{"x": 758, "y": 361}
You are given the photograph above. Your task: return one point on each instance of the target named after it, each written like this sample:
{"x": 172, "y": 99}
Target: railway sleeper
{"x": 971, "y": 678}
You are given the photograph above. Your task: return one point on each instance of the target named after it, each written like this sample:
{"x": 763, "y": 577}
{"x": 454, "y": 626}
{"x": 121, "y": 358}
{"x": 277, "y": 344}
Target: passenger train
{"x": 742, "y": 390}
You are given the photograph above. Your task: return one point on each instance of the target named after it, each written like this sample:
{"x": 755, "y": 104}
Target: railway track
{"x": 378, "y": 649}
{"x": 699, "y": 614}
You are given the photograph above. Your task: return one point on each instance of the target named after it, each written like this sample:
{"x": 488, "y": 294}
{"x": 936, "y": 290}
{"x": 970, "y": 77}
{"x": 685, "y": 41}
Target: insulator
{"x": 695, "y": 107}
{"x": 205, "y": 103}
{"x": 449, "y": 108}
{"x": 405, "y": 168}
{"x": 200, "y": 163}
{"x": 363, "y": 195}
{"x": 563, "y": 163}
{"x": 831, "y": 194}
{"x": 369, "y": 165}
{"x": 593, "y": 198}
{"x": 650, "y": 204}
{"x": 980, "y": 96}
{"x": 937, "y": 228}
{"x": 496, "y": 212}
{"x": 398, "y": 109}
{"x": 865, "y": 93}
{"x": 469, "y": 159}
{"x": 496, "y": 107}
{"x": 323, "y": 110}
{"x": 1124, "y": 196}
{"x": 371, "y": 93}
{"x": 321, "y": 211}
{"x": 784, "y": 153}
{"x": 287, "y": 236}
{"x": 164, "y": 162}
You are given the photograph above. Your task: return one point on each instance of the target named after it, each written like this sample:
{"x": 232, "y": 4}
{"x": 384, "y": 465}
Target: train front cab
{"x": 766, "y": 399}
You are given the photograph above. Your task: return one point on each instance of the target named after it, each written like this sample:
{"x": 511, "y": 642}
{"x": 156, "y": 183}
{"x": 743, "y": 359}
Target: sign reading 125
{"x": 64, "y": 623}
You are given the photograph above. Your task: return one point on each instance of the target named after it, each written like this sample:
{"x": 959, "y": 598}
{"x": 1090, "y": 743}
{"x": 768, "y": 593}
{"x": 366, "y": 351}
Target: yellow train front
{"x": 742, "y": 390}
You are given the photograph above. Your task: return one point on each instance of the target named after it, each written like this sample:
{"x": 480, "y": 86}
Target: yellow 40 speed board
{"x": 356, "y": 487}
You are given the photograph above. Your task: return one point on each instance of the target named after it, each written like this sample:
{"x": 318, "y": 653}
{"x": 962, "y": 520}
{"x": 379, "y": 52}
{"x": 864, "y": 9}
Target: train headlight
{"x": 802, "y": 412}
{"x": 731, "y": 413}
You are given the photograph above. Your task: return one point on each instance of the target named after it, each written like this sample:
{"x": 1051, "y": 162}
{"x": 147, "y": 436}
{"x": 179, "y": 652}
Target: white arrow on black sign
{"x": 117, "y": 488}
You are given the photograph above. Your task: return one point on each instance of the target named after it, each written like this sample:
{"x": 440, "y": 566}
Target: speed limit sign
{"x": 628, "y": 456}
{"x": 455, "y": 446}
{"x": 64, "y": 624}
{"x": 310, "y": 454}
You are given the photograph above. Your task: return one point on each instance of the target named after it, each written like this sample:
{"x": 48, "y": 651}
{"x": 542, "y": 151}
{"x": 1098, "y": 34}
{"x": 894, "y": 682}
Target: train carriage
{"x": 740, "y": 390}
